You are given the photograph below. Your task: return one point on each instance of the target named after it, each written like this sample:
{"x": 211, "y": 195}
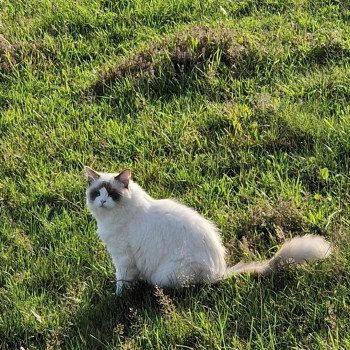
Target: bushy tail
{"x": 296, "y": 251}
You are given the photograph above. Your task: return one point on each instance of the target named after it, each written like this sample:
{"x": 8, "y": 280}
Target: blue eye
{"x": 114, "y": 194}
{"x": 94, "y": 194}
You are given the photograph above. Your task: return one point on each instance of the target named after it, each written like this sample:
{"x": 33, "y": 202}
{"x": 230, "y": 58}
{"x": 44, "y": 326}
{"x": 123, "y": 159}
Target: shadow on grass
{"x": 168, "y": 67}
{"x": 110, "y": 320}
{"x": 134, "y": 318}
{"x": 113, "y": 321}
{"x": 192, "y": 61}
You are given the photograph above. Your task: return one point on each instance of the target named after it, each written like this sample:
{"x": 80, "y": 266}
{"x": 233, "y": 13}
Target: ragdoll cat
{"x": 169, "y": 244}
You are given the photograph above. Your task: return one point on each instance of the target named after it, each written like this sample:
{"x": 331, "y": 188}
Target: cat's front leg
{"x": 119, "y": 286}
{"x": 125, "y": 275}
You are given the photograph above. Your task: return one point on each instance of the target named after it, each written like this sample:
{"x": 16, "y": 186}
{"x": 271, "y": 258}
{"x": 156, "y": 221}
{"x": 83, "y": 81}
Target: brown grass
{"x": 267, "y": 224}
{"x": 183, "y": 52}
{"x": 167, "y": 306}
{"x": 8, "y": 55}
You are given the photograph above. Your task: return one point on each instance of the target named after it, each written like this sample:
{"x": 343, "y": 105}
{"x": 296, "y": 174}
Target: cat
{"x": 168, "y": 244}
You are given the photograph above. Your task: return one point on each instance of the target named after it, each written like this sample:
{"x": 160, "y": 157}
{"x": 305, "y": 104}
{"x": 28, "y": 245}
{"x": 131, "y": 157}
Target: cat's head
{"x": 106, "y": 191}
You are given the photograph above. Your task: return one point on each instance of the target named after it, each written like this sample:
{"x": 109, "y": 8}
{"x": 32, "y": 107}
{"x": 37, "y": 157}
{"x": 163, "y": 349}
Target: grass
{"x": 239, "y": 109}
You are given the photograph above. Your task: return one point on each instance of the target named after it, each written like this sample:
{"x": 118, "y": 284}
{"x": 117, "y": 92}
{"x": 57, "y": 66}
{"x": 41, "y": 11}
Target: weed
{"x": 167, "y": 305}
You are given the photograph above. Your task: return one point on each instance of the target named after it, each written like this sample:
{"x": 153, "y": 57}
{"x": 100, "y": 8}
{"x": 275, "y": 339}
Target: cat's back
{"x": 173, "y": 211}
{"x": 170, "y": 217}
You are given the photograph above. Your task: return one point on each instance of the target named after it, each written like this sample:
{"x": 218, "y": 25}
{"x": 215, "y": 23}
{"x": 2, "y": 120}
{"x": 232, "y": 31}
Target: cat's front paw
{"x": 119, "y": 288}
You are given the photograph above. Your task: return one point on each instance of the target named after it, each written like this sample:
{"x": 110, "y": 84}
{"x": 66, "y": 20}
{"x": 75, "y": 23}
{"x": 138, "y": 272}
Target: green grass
{"x": 240, "y": 109}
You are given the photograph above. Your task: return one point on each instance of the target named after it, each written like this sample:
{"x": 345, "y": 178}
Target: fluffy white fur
{"x": 169, "y": 244}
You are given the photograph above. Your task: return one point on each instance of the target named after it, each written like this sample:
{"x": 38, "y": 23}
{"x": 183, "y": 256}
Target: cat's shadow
{"x": 110, "y": 320}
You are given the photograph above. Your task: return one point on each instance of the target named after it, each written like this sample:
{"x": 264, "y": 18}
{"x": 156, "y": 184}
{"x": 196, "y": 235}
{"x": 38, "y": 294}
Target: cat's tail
{"x": 296, "y": 251}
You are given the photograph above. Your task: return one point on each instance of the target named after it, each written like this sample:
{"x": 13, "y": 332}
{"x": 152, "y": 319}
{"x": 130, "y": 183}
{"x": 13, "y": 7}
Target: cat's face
{"x": 105, "y": 191}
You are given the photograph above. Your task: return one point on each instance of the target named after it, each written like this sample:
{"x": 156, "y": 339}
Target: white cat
{"x": 169, "y": 244}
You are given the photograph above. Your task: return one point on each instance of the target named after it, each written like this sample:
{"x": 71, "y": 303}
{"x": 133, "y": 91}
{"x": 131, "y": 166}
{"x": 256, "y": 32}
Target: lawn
{"x": 240, "y": 109}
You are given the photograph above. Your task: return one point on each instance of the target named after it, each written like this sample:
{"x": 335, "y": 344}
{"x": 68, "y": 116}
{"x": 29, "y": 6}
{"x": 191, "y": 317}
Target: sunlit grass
{"x": 239, "y": 109}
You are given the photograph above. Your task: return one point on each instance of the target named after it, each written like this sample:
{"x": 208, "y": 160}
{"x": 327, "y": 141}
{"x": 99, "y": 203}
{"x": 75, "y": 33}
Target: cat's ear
{"x": 124, "y": 177}
{"x": 92, "y": 175}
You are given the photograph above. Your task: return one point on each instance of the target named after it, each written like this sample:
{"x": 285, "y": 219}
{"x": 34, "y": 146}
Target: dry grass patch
{"x": 8, "y": 55}
{"x": 268, "y": 224}
{"x": 185, "y": 51}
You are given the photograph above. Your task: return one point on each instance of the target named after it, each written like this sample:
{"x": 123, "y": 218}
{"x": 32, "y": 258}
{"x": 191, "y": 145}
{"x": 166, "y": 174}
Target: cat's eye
{"x": 94, "y": 194}
{"x": 114, "y": 194}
